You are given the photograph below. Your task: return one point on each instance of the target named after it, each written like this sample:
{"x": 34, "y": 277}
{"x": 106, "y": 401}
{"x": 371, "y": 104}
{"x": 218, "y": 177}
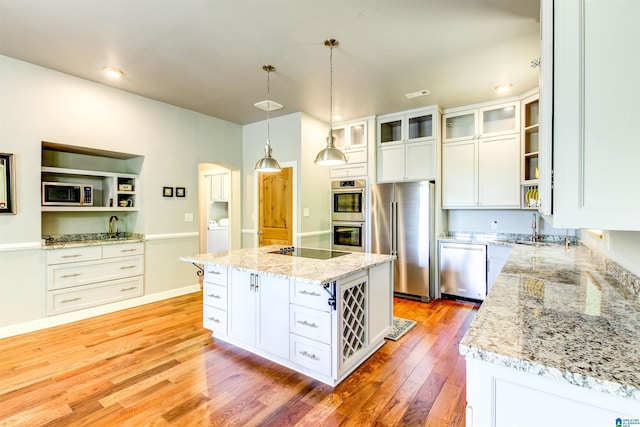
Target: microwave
{"x": 66, "y": 194}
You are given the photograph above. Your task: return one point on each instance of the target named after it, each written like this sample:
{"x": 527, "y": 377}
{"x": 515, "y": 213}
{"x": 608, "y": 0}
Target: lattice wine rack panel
{"x": 353, "y": 319}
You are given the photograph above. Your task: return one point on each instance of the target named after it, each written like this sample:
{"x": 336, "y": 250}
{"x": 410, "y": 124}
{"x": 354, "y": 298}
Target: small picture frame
{"x": 7, "y": 184}
{"x": 181, "y": 192}
{"x": 167, "y": 191}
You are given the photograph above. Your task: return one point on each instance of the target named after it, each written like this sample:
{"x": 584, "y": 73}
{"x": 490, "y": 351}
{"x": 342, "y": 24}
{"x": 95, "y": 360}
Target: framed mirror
{"x": 7, "y": 184}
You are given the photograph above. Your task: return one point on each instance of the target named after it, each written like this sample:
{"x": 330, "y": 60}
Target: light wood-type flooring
{"x": 156, "y": 365}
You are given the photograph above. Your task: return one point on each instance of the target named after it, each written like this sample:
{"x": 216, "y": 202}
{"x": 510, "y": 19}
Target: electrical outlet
{"x": 494, "y": 224}
{"x": 188, "y": 217}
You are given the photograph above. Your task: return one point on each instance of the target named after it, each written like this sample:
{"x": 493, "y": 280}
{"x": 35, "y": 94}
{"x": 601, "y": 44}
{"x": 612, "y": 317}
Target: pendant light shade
{"x": 268, "y": 163}
{"x": 330, "y": 156}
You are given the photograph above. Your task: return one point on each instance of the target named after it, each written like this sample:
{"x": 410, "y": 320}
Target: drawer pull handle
{"x": 213, "y": 319}
{"x": 71, "y": 300}
{"x": 305, "y": 323}
{"x": 71, "y": 256}
{"x": 215, "y": 272}
{"x": 312, "y": 293}
{"x": 214, "y": 296}
{"x": 128, "y": 250}
{"x": 70, "y": 275}
{"x": 311, "y": 356}
{"x": 128, "y": 289}
{"x": 127, "y": 266}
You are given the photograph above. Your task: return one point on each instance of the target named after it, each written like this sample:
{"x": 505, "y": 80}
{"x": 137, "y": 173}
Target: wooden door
{"x": 275, "y": 195}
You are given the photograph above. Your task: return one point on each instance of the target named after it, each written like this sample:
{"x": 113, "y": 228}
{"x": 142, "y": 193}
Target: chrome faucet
{"x": 113, "y": 224}
{"x": 534, "y": 226}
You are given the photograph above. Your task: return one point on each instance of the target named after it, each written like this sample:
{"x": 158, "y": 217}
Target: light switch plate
{"x": 305, "y": 212}
{"x": 188, "y": 217}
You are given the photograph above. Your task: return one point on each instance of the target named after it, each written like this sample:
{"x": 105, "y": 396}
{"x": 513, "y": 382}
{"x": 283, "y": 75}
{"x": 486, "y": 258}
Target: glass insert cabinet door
{"x": 460, "y": 126}
{"x": 499, "y": 119}
{"x": 407, "y": 128}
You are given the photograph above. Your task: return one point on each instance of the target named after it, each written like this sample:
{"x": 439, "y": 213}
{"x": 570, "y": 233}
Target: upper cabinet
{"x": 481, "y": 156}
{"x": 353, "y": 139}
{"x": 530, "y": 132}
{"x": 220, "y": 187}
{"x": 595, "y": 113}
{"x": 407, "y": 145}
{"x": 472, "y": 123}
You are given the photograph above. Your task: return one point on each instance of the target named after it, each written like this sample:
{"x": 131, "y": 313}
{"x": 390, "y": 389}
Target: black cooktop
{"x": 309, "y": 253}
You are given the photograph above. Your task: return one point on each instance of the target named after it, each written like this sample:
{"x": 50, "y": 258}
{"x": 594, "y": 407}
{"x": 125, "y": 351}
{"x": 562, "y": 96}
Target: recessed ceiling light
{"x": 268, "y": 105}
{"x": 503, "y": 87}
{"x": 113, "y": 72}
{"x": 417, "y": 93}
{"x": 337, "y": 116}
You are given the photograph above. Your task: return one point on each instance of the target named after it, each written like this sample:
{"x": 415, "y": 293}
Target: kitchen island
{"x": 556, "y": 342}
{"x": 320, "y": 317}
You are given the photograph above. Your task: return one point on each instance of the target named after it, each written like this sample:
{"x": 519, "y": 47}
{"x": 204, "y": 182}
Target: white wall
{"x": 38, "y": 104}
{"x": 621, "y": 246}
{"x": 295, "y": 138}
{"x": 509, "y": 221}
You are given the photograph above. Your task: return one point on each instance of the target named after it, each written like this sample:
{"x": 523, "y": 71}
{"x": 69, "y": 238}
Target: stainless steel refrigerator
{"x": 403, "y": 224}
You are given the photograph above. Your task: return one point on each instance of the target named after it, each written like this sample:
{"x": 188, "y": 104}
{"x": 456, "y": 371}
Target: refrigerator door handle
{"x": 394, "y": 233}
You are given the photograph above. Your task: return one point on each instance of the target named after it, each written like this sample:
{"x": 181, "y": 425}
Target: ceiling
{"x": 207, "y": 55}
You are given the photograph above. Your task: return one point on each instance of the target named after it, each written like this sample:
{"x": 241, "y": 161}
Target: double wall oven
{"x": 348, "y": 215}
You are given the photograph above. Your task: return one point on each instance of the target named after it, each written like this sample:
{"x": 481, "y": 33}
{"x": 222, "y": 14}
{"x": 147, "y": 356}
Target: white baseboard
{"x": 61, "y": 319}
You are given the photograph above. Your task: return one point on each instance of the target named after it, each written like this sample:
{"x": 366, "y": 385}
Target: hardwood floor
{"x": 155, "y": 365}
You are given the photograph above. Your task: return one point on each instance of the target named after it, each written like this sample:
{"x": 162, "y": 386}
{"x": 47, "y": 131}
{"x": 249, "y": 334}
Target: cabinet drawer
{"x": 215, "y": 274}
{"x": 126, "y": 249}
{"x": 61, "y": 256}
{"x": 310, "y": 354}
{"x": 62, "y": 301}
{"x": 215, "y": 320}
{"x": 309, "y": 323}
{"x": 309, "y": 295}
{"x": 215, "y": 296}
{"x": 358, "y": 155}
{"x": 82, "y": 273}
{"x": 356, "y": 169}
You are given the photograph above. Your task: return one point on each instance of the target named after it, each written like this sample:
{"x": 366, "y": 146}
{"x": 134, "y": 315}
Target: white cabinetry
{"x": 322, "y": 330}
{"x": 220, "y": 187}
{"x": 215, "y": 299}
{"x": 84, "y": 277}
{"x": 352, "y": 138}
{"x": 481, "y": 157}
{"x": 481, "y": 173}
{"x": 407, "y": 145}
{"x": 595, "y": 114}
{"x": 498, "y": 396}
{"x": 259, "y": 311}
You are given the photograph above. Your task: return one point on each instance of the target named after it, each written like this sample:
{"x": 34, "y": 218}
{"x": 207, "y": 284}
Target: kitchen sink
{"x": 531, "y": 243}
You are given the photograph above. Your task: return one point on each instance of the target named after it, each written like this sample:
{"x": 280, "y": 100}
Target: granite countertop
{"x": 60, "y": 241}
{"x": 306, "y": 269}
{"x": 562, "y": 314}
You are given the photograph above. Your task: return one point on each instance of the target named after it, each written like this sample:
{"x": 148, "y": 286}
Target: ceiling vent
{"x": 418, "y": 93}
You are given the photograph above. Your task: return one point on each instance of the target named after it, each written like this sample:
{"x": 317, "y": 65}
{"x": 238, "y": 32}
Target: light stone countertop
{"x": 559, "y": 314}
{"x": 305, "y": 269}
{"x": 62, "y": 241}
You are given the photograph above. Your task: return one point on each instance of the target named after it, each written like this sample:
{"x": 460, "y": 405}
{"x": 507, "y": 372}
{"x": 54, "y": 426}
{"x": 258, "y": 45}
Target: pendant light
{"x": 330, "y": 155}
{"x": 268, "y": 163}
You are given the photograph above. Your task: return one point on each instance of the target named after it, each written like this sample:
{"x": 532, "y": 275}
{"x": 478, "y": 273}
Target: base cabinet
{"x": 84, "y": 277}
{"x": 259, "y": 311}
{"x": 324, "y": 330}
{"x": 498, "y": 396}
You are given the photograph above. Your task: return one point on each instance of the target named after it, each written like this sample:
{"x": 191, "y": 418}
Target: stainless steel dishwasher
{"x": 463, "y": 270}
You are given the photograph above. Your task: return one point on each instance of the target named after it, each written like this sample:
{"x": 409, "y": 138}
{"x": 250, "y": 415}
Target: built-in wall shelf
{"x": 111, "y": 191}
